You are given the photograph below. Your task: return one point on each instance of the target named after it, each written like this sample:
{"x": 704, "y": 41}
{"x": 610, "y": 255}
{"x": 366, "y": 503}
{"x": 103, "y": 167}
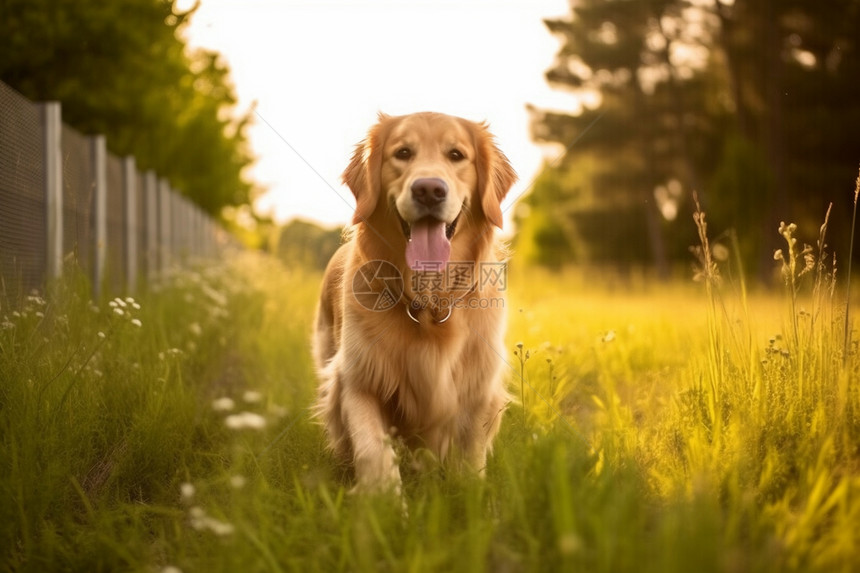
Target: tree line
{"x": 123, "y": 69}
{"x": 751, "y": 104}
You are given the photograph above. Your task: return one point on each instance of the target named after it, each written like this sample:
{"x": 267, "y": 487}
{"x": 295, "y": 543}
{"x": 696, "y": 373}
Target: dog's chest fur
{"x": 422, "y": 379}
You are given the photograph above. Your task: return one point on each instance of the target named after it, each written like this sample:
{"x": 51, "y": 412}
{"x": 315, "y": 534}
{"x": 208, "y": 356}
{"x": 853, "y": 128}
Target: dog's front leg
{"x": 373, "y": 457}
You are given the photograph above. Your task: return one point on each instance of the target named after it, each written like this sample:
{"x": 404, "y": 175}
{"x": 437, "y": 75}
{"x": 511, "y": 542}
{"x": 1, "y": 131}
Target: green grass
{"x": 685, "y": 427}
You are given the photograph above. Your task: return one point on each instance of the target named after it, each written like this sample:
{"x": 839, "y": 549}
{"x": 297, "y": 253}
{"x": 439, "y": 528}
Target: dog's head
{"x": 426, "y": 172}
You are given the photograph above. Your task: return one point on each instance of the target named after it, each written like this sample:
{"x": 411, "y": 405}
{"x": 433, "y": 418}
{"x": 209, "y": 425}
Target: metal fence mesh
{"x": 22, "y": 195}
{"x": 78, "y": 194}
{"x": 155, "y": 228}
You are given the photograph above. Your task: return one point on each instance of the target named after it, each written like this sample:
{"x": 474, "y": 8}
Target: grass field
{"x": 669, "y": 428}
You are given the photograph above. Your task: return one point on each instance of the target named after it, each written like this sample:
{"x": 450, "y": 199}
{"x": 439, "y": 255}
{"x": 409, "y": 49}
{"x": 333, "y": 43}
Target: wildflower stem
{"x": 522, "y": 384}
{"x": 521, "y": 355}
{"x": 848, "y": 287}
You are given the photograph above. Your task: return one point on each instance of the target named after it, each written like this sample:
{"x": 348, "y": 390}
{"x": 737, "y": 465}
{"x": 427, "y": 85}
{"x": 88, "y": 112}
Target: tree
{"x": 793, "y": 67}
{"x": 749, "y": 103}
{"x": 122, "y": 69}
{"x": 647, "y": 134}
{"x": 304, "y": 244}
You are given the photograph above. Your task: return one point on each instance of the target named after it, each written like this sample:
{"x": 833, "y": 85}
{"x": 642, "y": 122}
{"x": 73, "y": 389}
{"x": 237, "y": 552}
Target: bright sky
{"x": 321, "y": 70}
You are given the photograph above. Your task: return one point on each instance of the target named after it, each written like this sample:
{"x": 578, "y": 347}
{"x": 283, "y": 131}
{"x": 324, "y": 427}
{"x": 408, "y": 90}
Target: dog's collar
{"x": 413, "y": 305}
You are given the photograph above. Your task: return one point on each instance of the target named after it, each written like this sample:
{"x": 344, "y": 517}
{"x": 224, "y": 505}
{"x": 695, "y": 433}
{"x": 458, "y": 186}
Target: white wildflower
{"x": 223, "y": 404}
{"x": 118, "y": 311}
{"x": 100, "y": 334}
{"x": 195, "y": 329}
{"x": 245, "y": 420}
{"x": 197, "y": 512}
{"x": 187, "y": 491}
{"x": 136, "y": 322}
{"x": 200, "y": 521}
{"x": 198, "y": 517}
{"x": 171, "y": 569}
{"x": 252, "y": 396}
{"x": 219, "y": 528}
{"x": 37, "y": 300}
{"x": 238, "y": 482}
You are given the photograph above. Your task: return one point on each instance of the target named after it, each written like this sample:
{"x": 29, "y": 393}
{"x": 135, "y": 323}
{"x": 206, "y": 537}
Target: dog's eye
{"x": 456, "y": 155}
{"x": 403, "y": 153}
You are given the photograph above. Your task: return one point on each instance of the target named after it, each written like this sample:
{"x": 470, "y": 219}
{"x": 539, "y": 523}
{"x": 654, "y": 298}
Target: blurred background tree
{"x": 122, "y": 69}
{"x": 306, "y": 244}
{"x": 750, "y": 103}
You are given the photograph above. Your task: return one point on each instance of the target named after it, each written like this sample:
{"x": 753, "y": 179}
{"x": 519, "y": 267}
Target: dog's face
{"x": 429, "y": 171}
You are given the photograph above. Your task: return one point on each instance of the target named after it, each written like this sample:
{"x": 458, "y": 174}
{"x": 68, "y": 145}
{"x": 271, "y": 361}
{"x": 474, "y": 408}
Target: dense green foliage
{"x": 676, "y": 428}
{"x": 752, "y": 104}
{"x": 122, "y": 69}
{"x": 300, "y": 243}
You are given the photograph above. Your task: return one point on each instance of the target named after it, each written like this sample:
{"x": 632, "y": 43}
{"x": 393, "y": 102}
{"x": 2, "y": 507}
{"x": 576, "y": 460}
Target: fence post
{"x": 176, "y": 226}
{"x": 99, "y": 212}
{"x": 129, "y": 196}
{"x": 52, "y": 123}
{"x": 151, "y": 225}
{"x": 164, "y": 223}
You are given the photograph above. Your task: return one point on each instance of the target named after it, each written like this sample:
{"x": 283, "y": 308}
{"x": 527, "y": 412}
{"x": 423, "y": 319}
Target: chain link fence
{"x": 65, "y": 200}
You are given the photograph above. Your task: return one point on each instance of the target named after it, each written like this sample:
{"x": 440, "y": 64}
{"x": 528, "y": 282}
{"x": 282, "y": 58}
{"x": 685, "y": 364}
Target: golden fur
{"x": 437, "y": 384}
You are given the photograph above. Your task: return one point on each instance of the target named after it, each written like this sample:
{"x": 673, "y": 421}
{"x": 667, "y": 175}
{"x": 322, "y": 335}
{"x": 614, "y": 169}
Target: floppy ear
{"x": 362, "y": 175}
{"x": 495, "y": 175}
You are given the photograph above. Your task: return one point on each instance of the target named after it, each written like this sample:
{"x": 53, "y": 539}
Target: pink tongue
{"x": 429, "y": 248}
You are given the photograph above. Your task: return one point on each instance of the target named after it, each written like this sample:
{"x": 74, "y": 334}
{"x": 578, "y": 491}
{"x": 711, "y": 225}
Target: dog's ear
{"x": 495, "y": 175}
{"x": 362, "y": 175}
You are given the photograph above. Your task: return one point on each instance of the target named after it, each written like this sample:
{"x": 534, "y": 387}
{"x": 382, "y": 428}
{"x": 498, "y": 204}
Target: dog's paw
{"x": 378, "y": 475}
{"x": 363, "y": 489}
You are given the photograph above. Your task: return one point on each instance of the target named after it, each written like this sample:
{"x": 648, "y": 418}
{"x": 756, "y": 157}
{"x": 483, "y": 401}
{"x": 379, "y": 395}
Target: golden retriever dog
{"x": 408, "y": 338}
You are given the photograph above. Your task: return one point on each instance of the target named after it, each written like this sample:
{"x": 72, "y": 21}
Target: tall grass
{"x": 685, "y": 427}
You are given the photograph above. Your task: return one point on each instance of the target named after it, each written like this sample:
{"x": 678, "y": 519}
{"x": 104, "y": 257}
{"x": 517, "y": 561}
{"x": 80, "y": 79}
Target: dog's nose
{"x": 429, "y": 191}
